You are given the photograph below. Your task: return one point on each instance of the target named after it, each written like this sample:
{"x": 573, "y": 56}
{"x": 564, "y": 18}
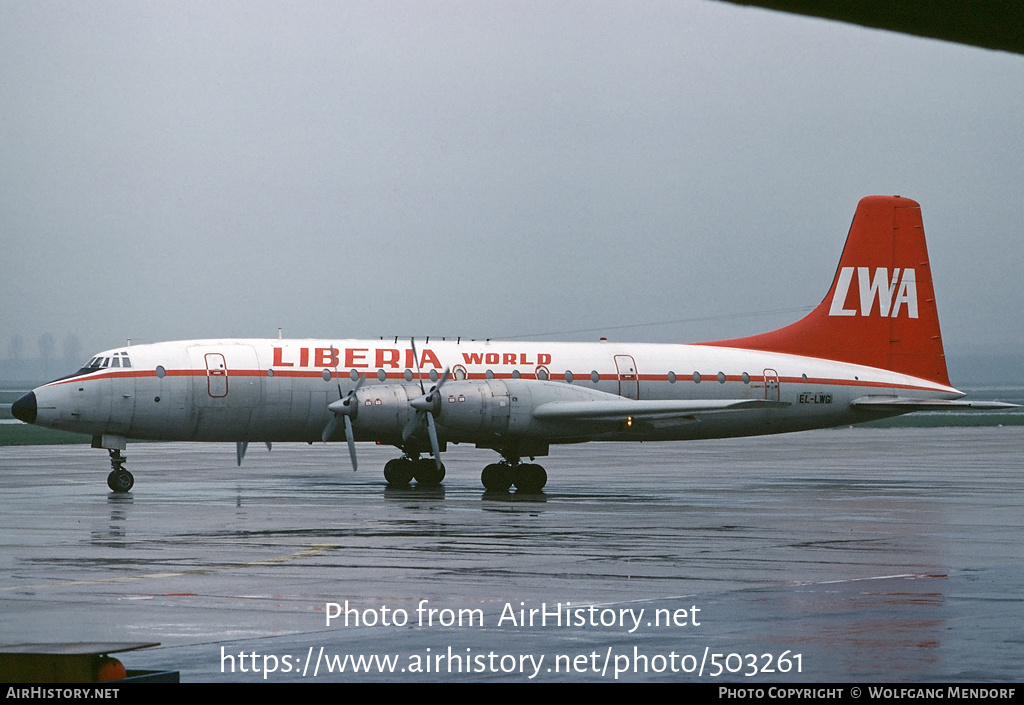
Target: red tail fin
{"x": 881, "y": 309}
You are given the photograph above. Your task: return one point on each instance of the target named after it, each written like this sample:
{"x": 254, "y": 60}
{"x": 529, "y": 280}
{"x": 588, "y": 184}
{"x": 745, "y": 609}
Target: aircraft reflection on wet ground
{"x": 873, "y": 554}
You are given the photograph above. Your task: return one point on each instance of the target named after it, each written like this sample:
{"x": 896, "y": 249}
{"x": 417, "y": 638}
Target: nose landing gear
{"x": 119, "y": 480}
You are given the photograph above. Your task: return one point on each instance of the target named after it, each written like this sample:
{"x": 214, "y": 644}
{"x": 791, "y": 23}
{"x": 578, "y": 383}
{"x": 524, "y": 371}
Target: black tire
{"x": 398, "y": 472}
{"x": 120, "y": 481}
{"x": 530, "y": 478}
{"x": 496, "y": 477}
{"x": 428, "y": 473}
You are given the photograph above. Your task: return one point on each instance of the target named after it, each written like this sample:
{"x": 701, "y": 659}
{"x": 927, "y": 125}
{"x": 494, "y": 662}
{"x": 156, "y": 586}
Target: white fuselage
{"x": 279, "y": 390}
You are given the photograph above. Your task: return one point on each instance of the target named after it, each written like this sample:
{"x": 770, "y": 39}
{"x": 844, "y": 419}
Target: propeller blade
{"x": 270, "y": 446}
{"x": 433, "y": 439}
{"x": 430, "y": 400}
{"x": 437, "y": 387}
{"x": 425, "y": 406}
{"x": 410, "y": 428}
{"x": 350, "y": 438}
{"x": 345, "y": 406}
{"x": 330, "y": 428}
{"x": 416, "y": 359}
{"x": 359, "y": 383}
{"x": 240, "y": 448}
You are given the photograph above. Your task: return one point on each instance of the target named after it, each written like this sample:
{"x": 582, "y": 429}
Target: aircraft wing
{"x": 908, "y": 405}
{"x": 988, "y": 24}
{"x": 659, "y": 412}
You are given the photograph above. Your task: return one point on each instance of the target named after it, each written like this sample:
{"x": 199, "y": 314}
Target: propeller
{"x": 426, "y": 406}
{"x": 344, "y": 409}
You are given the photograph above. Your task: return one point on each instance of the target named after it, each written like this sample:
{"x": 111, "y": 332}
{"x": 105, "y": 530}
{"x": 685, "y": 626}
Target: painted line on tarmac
{"x": 314, "y": 550}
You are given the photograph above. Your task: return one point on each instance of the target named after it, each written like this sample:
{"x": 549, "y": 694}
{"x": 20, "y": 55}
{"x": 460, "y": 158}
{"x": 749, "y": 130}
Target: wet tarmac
{"x": 842, "y": 555}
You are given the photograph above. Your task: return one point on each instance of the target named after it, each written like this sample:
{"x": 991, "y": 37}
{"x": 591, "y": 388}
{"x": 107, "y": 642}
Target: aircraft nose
{"x": 24, "y": 408}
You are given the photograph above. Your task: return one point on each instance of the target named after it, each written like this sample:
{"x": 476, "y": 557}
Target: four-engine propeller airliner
{"x": 871, "y": 349}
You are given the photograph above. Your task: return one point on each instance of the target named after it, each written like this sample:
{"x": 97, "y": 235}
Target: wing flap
{"x": 619, "y": 410}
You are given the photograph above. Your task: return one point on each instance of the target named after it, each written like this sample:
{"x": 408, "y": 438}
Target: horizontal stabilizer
{"x": 908, "y": 405}
{"x": 621, "y": 409}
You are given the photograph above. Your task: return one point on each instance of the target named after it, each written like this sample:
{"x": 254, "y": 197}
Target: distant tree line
{"x": 49, "y": 359}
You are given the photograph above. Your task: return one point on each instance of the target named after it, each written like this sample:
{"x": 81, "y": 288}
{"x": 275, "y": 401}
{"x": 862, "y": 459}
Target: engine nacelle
{"x": 468, "y": 411}
{"x": 383, "y": 411}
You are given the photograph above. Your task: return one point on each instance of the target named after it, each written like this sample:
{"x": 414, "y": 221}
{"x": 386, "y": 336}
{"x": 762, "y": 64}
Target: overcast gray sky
{"x": 220, "y": 169}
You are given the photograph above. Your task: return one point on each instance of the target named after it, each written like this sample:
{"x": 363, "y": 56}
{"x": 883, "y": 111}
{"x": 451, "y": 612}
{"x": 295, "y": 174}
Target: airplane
{"x": 871, "y": 349}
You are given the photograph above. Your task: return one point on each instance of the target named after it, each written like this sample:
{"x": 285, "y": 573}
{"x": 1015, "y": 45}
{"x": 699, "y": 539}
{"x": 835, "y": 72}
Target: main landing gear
{"x": 119, "y": 480}
{"x": 529, "y": 478}
{"x": 401, "y": 471}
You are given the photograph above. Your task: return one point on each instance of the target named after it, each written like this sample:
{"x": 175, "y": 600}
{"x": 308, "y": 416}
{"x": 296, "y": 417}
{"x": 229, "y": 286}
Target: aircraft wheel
{"x": 120, "y": 480}
{"x": 529, "y": 478}
{"x": 398, "y": 472}
{"x": 428, "y": 473}
{"x": 496, "y": 477}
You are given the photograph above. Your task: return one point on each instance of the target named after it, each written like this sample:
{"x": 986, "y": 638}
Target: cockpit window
{"x": 118, "y": 359}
